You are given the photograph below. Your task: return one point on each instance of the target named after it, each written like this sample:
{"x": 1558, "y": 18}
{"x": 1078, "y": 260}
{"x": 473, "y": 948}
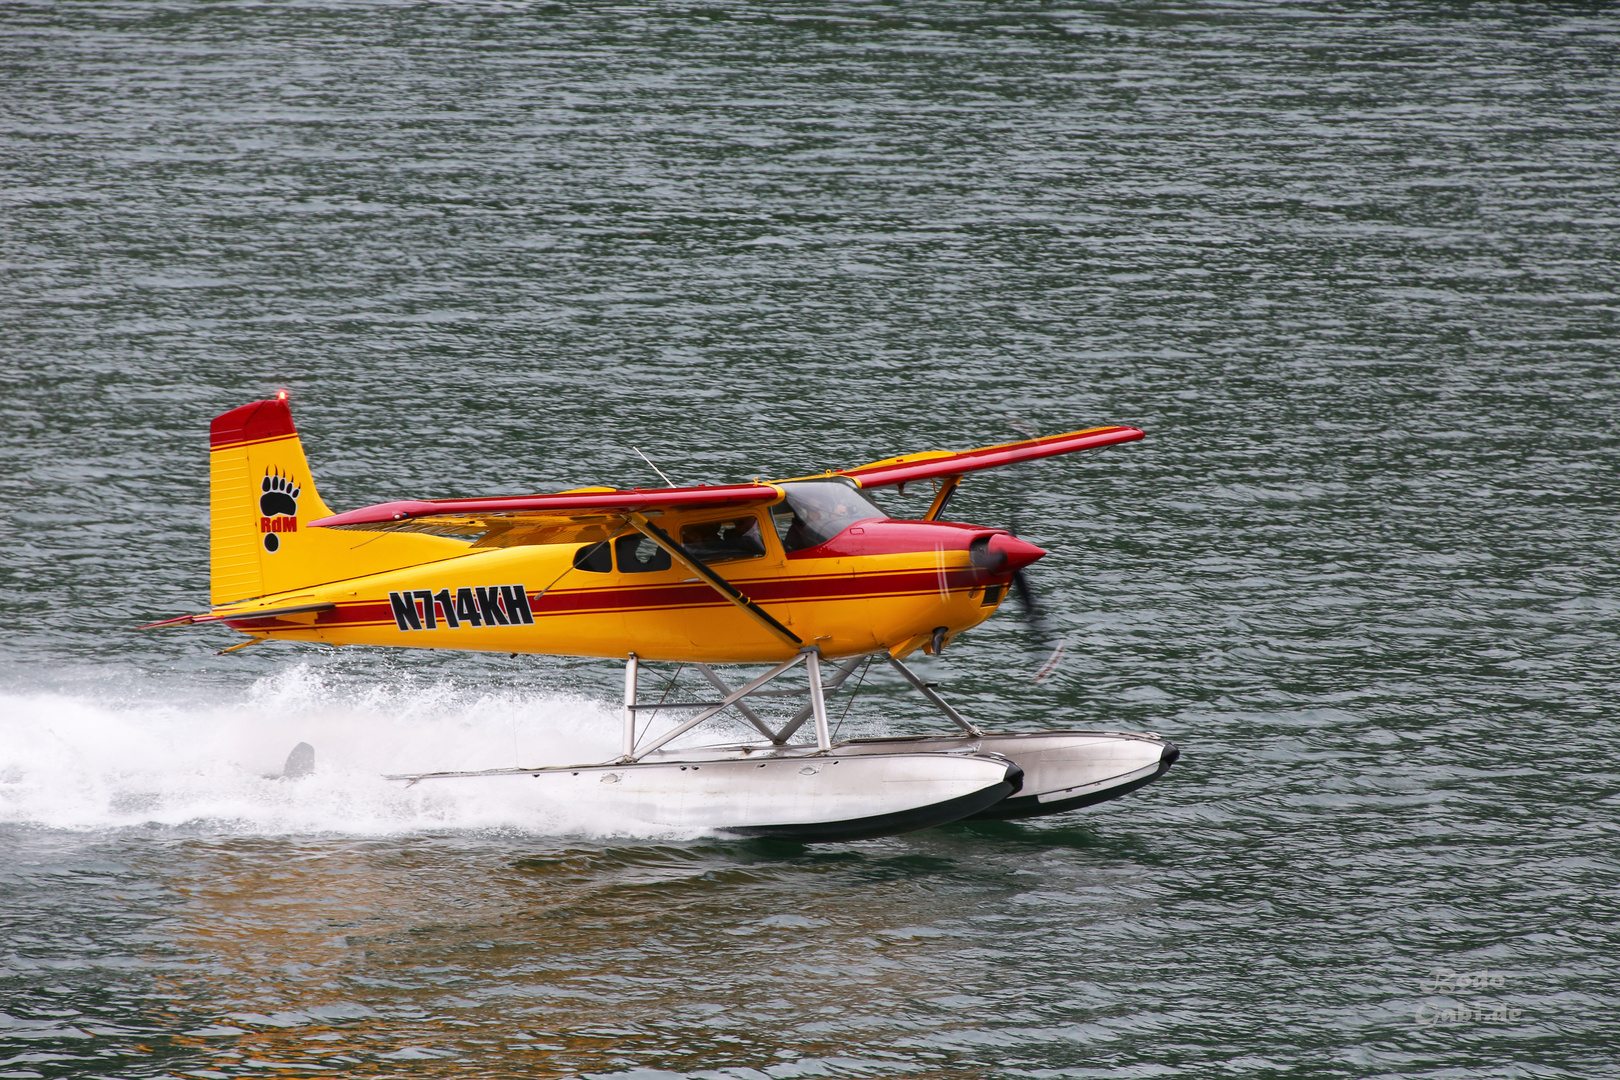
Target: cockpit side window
{"x": 718, "y": 541}
{"x": 597, "y": 558}
{"x": 639, "y": 555}
{"x": 815, "y": 511}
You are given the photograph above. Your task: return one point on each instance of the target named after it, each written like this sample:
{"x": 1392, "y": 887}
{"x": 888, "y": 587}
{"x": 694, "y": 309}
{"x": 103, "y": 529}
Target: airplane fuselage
{"x": 876, "y": 584}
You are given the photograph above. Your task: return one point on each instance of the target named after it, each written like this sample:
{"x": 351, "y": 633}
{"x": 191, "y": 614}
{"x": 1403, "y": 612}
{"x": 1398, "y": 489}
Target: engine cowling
{"x": 1002, "y": 553}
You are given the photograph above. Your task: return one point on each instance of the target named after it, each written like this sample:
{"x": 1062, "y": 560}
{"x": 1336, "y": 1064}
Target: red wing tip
{"x": 881, "y": 474}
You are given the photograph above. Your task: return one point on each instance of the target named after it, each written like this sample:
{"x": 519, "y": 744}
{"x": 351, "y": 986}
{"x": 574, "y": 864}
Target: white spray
{"x": 82, "y": 763}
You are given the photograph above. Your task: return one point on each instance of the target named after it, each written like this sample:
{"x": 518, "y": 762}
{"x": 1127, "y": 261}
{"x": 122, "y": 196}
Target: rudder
{"x": 261, "y": 498}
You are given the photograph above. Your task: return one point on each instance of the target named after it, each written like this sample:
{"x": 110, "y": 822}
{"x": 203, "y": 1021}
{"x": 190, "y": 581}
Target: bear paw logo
{"x": 278, "y": 508}
{"x": 280, "y": 496}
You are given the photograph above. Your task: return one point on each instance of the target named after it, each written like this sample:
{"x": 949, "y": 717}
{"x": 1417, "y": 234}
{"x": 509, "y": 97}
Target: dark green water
{"x": 1351, "y": 266}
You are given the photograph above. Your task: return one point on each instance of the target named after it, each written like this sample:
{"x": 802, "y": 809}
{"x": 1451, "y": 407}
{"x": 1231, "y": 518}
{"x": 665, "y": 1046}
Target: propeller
{"x": 1035, "y": 615}
{"x": 996, "y": 554}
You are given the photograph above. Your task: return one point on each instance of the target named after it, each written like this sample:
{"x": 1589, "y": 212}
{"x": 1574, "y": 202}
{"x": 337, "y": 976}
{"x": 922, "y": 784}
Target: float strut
{"x": 939, "y": 703}
{"x": 630, "y": 667}
{"x": 741, "y": 706}
{"x": 709, "y": 710}
{"x": 818, "y": 701}
{"x": 804, "y": 714}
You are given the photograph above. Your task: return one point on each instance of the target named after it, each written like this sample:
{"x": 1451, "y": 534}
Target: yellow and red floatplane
{"x": 804, "y": 576}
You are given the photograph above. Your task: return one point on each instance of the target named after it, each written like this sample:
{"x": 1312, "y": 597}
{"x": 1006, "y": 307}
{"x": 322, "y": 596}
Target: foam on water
{"x": 79, "y": 762}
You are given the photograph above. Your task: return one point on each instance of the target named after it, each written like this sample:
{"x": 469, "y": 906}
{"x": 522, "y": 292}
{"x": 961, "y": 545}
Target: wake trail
{"x": 86, "y": 763}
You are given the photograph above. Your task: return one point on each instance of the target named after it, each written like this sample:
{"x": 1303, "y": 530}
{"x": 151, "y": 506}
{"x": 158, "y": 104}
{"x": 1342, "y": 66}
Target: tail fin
{"x": 261, "y": 497}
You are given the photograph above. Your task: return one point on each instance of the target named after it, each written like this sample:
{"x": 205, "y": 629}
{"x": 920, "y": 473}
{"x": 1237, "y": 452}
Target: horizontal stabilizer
{"x": 239, "y": 616}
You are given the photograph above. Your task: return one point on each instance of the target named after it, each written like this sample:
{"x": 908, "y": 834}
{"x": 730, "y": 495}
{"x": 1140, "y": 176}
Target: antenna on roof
{"x": 654, "y": 468}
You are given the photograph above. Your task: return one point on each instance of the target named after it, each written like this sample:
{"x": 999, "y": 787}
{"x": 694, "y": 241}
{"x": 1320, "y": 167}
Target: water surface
{"x": 1351, "y": 266}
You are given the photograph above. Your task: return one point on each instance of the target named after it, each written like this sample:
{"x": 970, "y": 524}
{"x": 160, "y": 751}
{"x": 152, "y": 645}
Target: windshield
{"x": 815, "y": 511}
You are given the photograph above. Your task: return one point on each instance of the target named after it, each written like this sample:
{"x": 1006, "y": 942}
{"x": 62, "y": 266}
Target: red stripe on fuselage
{"x": 678, "y": 596}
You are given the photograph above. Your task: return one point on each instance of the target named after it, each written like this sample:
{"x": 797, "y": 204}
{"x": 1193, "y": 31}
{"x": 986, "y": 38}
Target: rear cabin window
{"x": 639, "y": 555}
{"x": 718, "y": 541}
{"x": 597, "y": 558}
{"x": 815, "y": 511}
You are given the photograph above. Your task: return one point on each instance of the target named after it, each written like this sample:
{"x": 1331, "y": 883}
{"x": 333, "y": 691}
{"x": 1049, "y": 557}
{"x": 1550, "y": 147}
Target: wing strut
{"x": 947, "y": 488}
{"x": 715, "y": 581}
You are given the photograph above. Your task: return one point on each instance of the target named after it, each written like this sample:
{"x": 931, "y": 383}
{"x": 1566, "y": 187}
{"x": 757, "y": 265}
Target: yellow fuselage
{"x": 880, "y": 584}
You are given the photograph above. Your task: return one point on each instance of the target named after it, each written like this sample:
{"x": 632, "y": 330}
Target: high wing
{"x": 585, "y": 515}
{"x": 589, "y": 515}
{"x": 937, "y": 464}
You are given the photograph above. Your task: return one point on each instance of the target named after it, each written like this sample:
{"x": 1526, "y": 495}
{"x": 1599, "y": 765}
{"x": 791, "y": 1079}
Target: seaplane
{"x": 806, "y": 577}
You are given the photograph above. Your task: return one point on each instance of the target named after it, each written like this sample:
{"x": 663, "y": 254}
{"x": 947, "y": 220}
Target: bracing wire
{"x": 850, "y": 703}
{"x": 669, "y": 684}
